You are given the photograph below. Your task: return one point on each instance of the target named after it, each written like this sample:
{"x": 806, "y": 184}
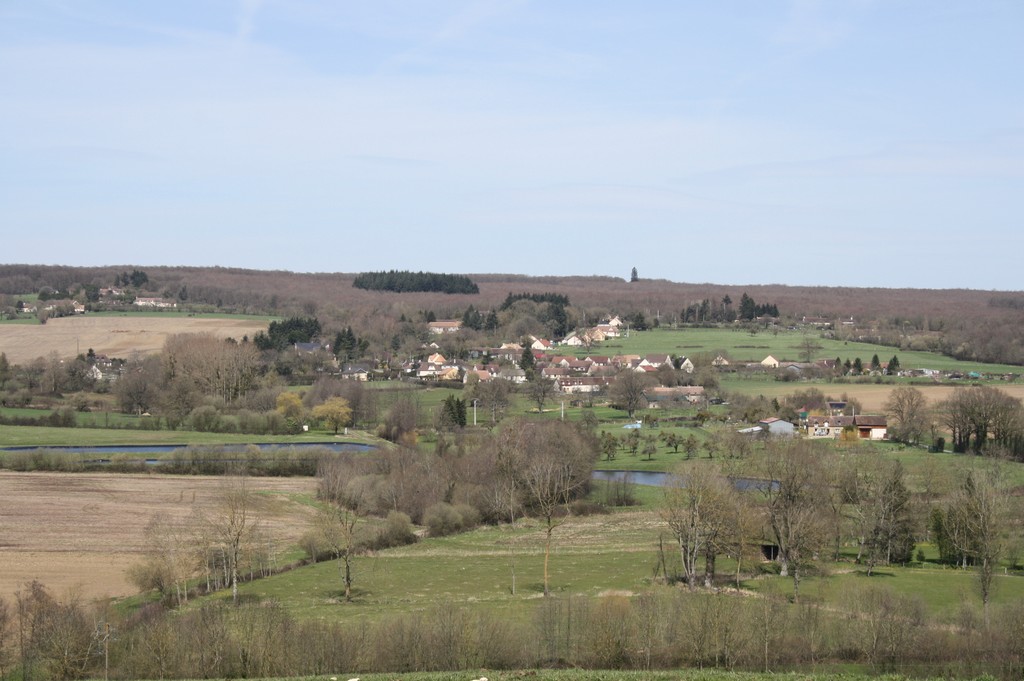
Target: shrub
{"x": 583, "y": 507}
{"x": 444, "y": 519}
{"x": 205, "y": 419}
{"x": 397, "y": 530}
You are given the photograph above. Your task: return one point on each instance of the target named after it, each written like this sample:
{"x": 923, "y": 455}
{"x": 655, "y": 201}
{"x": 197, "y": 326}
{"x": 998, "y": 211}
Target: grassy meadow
{"x": 742, "y": 347}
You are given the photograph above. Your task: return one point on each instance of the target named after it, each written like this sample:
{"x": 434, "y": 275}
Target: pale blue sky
{"x": 848, "y": 142}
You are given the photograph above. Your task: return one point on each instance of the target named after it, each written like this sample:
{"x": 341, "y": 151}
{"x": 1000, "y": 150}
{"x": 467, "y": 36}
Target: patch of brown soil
{"x": 81, "y": 531}
{"x": 112, "y": 336}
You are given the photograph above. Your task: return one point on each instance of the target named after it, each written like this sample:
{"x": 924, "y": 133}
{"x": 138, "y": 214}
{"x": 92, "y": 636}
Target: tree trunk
{"x": 547, "y": 555}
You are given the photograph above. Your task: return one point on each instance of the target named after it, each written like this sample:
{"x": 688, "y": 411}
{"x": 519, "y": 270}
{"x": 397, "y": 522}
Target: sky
{"x": 834, "y": 143}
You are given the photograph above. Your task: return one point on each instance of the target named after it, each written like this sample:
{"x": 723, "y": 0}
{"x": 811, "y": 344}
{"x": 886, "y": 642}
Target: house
{"x": 656, "y": 361}
{"x": 482, "y": 375}
{"x": 554, "y": 371}
{"x": 442, "y": 326}
{"x": 770, "y": 362}
{"x": 512, "y": 373}
{"x": 437, "y": 358}
{"x": 576, "y": 340}
{"x": 356, "y": 372}
{"x": 155, "y": 302}
{"x": 719, "y": 361}
{"x": 776, "y": 426}
{"x": 580, "y": 384}
{"x": 686, "y": 365}
{"x": 871, "y": 427}
{"x": 866, "y": 426}
{"x": 659, "y": 395}
{"x": 541, "y": 344}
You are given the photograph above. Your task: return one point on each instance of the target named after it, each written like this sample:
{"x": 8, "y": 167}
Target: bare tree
{"x": 976, "y": 525}
{"x": 170, "y": 559}
{"x": 557, "y": 460}
{"x": 980, "y": 417}
{"x": 213, "y": 366}
{"x": 699, "y": 510}
{"x": 908, "y": 408}
{"x": 794, "y": 492}
{"x": 540, "y": 390}
{"x": 234, "y": 526}
{"x": 627, "y": 391}
{"x": 337, "y": 523}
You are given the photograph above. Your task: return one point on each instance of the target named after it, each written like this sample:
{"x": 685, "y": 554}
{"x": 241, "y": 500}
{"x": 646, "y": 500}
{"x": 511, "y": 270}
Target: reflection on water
{"x": 660, "y": 479}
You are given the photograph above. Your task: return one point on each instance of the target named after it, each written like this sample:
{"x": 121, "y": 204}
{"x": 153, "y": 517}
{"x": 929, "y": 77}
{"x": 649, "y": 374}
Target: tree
{"x": 527, "y": 362}
{"x": 748, "y": 308}
{"x": 809, "y": 346}
{"x": 234, "y": 526}
{"x": 627, "y": 391}
{"x": 453, "y": 413}
{"x": 289, "y": 405}
{"x": 908, "y": 409}
{"x": 5, "y": 370}
{"x": 894, "y": 366}
{"x": 400, "y": 420}
{"x": 975, "y": 520}
{"x": 210, "y": 365}
{"x": 337, "y": 523}
{"x": 556, "y": 462}
{"x": 698, "y": 511}
{"x": 887, "y": 533}
{"x": 138, "y": 388}
{"x": 540, "y": 390}
{"x": 335, "y": 412}
{"x": 633, "y": 276}
{"x": 981, "y": 417}
{"x": 876, "y": 364}
{"x": 650, "y": 446}
{"x": 170, "y": 559}
{"x": 492, "y": 396}
{"x": 794, "y": 508}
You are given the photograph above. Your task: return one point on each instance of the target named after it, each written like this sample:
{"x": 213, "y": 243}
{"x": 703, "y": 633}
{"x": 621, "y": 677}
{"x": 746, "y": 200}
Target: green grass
{"x": 88, "y": 419}
{"x": 942, "y": 590}
{"x": 742, "y": 347}
{"x": 184, "y": 313}
{"x": 43, "y": 436}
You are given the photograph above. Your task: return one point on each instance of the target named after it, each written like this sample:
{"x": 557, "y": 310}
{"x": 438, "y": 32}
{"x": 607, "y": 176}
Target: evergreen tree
{"x": 894, "y": 366}
{"x": 748, "y": 308}
{"x": 633, "y": 276}
{"x": 526, "y": 361}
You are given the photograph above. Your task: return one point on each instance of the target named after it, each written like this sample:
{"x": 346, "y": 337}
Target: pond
{"x": 660, "y": 479}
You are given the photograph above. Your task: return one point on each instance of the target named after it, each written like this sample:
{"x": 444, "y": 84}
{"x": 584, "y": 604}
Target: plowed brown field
{"x": 112, "y": 336}
{"x": 81, "y": 531}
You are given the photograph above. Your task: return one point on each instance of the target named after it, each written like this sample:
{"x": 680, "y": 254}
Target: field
{"x": 872, "y": 396}
{"x": 114, "y": 335}
{"x": 81, "y": 531}
{"x": 741, "y": 347}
